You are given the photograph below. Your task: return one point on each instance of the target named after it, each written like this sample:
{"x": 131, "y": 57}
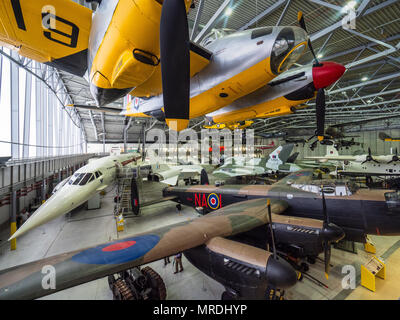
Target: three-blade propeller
{"x": 395, "y": 158}
{"x": 175, "y": 63}
{"x": 369, "y": 157}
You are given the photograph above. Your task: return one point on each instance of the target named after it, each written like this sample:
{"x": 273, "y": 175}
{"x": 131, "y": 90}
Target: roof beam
{"x": 283, "y": 13}
{"x": 269, "y": 10}
{"x": 213, "y": 20}
{"x": 366, "y": 83}
{"x": 338, "y": 24}
{"x": 94, "y": 125}
{"x": 197, "y": 19}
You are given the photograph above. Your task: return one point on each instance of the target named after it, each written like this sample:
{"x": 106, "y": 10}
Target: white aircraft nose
{"x": 65, "y": 200}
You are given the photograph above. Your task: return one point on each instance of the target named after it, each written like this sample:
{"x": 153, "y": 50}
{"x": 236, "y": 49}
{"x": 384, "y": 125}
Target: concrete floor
{"x": 86, "y": 228}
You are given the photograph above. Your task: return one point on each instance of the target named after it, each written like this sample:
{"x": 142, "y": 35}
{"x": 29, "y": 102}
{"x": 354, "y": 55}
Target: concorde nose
{"x": 326, "y": 74}
{"x": 280, "y": 274}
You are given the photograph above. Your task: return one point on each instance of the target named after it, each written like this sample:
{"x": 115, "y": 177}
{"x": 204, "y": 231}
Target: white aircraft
{"x": 96, "y": 176}
{"x": 239, "y": 166}
{"x": 363, "y": 164}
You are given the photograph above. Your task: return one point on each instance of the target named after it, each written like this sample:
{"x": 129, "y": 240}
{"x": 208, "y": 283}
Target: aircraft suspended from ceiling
{"x": 142, "y": 48}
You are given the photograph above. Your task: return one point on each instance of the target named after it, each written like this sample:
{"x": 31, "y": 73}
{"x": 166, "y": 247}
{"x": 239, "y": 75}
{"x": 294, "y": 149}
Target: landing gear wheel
{"x": 227, "y": 296}
{"x": 159, "y": 291}
{"x": 311, "y": 260}
{"x": 121, "y": 291}
{"x": 179, "y": 207}
{"x": 304, "y": 267}
{"x": 111, "y": 281}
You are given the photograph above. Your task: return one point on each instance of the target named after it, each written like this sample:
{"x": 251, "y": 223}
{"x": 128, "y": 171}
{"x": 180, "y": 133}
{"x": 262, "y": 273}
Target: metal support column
{"x": 13, "y": 219}
{"x": 27, "y": 115}
{"x": 14, "y": 78}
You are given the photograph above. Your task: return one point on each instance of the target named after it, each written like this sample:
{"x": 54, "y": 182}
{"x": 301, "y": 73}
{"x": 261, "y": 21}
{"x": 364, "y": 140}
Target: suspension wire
{"x": 46, "y": 147}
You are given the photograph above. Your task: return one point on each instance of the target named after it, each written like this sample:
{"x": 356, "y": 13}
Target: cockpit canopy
{"x": 338, "y": 188}
{"x": 84, "y": 178}
{"x": 214, "y": 35}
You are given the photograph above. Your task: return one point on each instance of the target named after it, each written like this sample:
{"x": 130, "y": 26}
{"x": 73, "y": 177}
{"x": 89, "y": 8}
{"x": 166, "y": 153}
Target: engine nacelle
{"x": 297, "y": 241}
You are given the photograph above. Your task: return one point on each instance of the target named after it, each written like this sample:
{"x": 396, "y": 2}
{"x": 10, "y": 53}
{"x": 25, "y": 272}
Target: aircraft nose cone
{"x": 332, "y": 233}
{"x": 280, "y": 274}
{"x": 327, "y": 74}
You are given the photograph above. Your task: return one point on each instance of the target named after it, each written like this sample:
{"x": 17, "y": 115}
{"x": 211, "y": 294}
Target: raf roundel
{"x": 213, "y": 201}
{"x": 120, "y": 251}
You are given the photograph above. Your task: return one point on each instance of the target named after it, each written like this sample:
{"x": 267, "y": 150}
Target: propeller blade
{"x": 327, "y": 247}
{"x": 301, "y": 21}
{"x": 320, "y": 112}
{"x": 302, "y": 24}
{"x": 175, "y": 63}
{"x": 327, "y": 258}
{"x": 271, "y": 229}
{"x": 324, "y": 211}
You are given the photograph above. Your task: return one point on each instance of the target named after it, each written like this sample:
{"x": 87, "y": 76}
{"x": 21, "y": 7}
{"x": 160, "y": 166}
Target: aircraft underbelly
{"x": 114, "y": 65}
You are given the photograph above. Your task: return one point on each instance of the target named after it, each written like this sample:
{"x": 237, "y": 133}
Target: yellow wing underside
{"x": 46, "y": 30}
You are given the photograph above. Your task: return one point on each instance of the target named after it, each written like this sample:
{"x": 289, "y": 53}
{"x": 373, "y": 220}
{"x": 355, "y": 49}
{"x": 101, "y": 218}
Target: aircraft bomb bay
{"x": 199, "y": 150}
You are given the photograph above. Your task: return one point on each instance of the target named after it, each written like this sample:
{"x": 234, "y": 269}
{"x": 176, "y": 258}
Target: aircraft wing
{"x": 230, "y": 171}
{"x": 55, "y": 32}
{"x": 84, "y": 265}
{"x": 301, "y": 176}
{"x": 333, "y": 158}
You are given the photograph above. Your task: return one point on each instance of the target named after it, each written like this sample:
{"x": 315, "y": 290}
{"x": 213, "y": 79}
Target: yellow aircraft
{"x": 142, "y": 48}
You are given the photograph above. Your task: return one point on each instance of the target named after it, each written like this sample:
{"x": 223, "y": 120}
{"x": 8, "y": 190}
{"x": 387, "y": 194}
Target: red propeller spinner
{"x": 326, "y": 74}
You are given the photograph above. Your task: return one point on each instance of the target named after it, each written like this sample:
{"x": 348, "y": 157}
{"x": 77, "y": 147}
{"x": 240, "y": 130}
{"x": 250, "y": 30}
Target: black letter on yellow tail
{"x": 16, "y": 5}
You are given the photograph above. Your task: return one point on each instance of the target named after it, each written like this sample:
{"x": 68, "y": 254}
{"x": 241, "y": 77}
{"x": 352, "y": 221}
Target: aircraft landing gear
{"x": 179, "y": 207}
{"x": 229, "y": 294}
{"x": 311, "y": 260}
{"x": 137, "y": 284}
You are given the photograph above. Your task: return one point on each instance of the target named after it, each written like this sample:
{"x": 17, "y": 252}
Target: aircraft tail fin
{"x": 204, "y": 178}
{"x": 282, "y": 153}
{"x": 331, "y": 151}
{"x": 292, "y": 158}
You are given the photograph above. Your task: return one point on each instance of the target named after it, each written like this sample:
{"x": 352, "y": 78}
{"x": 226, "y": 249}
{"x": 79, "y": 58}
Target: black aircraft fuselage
{"x": 363, "y": 212}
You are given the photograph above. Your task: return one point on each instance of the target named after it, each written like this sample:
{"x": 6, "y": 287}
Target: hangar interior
{"x": 52, "y": 128}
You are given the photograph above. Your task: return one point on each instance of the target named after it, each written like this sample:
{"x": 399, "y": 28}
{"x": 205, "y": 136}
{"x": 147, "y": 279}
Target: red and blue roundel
{"x": 213, "y": 201}
{"x": 120, "y": 251}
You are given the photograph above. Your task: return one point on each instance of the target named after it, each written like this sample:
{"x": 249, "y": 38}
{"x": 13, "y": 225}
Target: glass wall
{"x": 33, "y": 121}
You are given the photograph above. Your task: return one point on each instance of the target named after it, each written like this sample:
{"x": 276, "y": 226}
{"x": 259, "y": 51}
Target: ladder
{"x": 124, "y": 180}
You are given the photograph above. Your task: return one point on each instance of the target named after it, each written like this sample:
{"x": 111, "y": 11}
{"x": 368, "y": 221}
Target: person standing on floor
{"x": 178, "y": 261}
{"x": 166, "y": 261}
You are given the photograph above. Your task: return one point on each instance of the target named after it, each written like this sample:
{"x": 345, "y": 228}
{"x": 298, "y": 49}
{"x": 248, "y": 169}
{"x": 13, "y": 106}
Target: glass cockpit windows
{"x": 73, "y": 178}
{"x": 85, "y": 179}
{"x": 78, "y": 178}
{"x": 287, "y": 49}
{"x": 97, "y": 174}
{"x": 81, "y": 178}
{"x": 260, "y": 32}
